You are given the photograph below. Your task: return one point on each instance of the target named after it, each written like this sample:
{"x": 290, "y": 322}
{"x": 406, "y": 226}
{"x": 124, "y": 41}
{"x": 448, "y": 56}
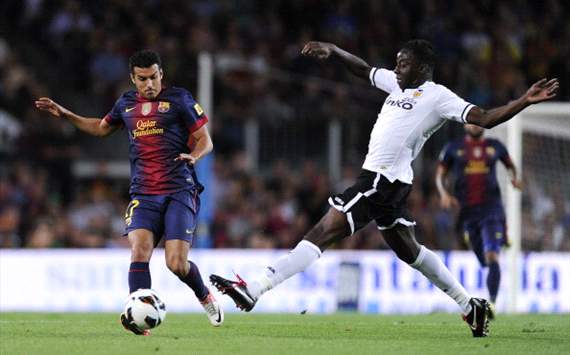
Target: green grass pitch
{"x": 257, "y": 334}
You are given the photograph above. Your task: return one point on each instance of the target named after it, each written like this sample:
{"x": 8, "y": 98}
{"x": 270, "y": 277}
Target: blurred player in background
{"x": 164, "y": 190}
{"x": 415, "y": 108}
{"x": 472, "y": 161}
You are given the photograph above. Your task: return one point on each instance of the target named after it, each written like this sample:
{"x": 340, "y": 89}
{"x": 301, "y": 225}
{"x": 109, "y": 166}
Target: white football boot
{"x": 213, "y": 310}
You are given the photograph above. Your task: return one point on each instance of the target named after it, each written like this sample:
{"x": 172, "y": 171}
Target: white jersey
{"x": 407, "y": 119}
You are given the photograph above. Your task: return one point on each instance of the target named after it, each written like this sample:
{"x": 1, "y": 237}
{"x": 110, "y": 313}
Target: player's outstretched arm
{"x": 93, "y": 126}
{"x": 540, "y": 91}
{"x": 447, "y": 201}
{"x": 203, "y": 146}
{"x": 324, "y": 50}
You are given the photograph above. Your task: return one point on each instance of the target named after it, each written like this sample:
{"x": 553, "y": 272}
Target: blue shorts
{"x": 485, "y": 234}
{"x": 172, "y": 216}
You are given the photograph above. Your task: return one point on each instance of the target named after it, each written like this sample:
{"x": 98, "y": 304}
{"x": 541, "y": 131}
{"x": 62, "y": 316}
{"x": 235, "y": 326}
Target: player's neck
{"x": 470, "y": 138}
{"x": 420, "y": 81}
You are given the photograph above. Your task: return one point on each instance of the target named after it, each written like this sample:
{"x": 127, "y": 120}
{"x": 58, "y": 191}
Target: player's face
{"x": 474, "y": 131}
{"x": 148, "y": 81}
{"x": 407, "y": 70}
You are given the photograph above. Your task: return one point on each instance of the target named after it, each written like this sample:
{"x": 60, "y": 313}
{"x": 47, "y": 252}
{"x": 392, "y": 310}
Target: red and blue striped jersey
{"x": 159, "y": 130}
{"x": 473, "y": 164}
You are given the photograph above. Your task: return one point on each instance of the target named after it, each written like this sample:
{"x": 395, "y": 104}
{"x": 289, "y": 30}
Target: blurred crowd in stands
{"x": 77, "y": 52}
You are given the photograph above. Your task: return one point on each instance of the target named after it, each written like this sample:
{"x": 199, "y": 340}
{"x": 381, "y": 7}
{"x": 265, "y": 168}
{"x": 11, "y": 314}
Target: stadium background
{"x": 60, "y": 188}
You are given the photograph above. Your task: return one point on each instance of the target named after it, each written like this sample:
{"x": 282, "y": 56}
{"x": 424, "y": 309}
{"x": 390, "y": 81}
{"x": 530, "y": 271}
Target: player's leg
{"x": 493, "y": 279}
{"x": 494, "y": 276}
{"x": 142, "y": 245}
{"x": 331, "y": 228}
{"x": 402, "y": 240}
{"x": 176, "y": 254}
{"x": 398, "y": 231}
{"x": 492, "y": 235}
{"x": 349, "y": 213}
{"x": 473, "y": 236}
{"x": 180, "y": 224}
{"x": 142, "y": 219}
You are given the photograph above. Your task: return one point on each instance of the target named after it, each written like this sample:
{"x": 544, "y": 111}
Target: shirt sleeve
{"x": 452, "y": 107}
{"x": 192, "y": 113}
{"x": 114, "y": 117}
{"x": 502, "y": 153}
{"x": 446, "y": 156}
{"x": 383, "y": 79}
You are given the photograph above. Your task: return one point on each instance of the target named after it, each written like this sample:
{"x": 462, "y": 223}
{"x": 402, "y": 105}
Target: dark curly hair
{"x": 422, "y": 51}
{"x": 144, "y": 59}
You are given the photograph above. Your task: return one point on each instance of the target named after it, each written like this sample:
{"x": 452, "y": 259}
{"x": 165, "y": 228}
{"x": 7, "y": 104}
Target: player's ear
{"x": 132, "y": 78}
{"x": 161, "y": 73}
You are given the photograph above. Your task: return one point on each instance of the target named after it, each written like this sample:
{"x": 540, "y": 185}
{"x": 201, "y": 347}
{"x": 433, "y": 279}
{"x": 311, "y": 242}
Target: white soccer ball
{"x": 145, "y": 309}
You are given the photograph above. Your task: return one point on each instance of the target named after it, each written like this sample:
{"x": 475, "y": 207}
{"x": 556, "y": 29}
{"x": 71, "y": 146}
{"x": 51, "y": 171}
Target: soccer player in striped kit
{"x": 415, "y": 108}
{"x": 164, "y": 188}
{"x": 472, "y": 161}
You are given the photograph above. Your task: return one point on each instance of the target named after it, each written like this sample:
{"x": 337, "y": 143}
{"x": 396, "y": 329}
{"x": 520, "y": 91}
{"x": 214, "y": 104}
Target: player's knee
{"x": 141, "y": 252}
{"x": 401, "y": 240}
{"x": 142, "y": 245}
{"x": 491, "y": 258}
{"x": 177, "y": 265}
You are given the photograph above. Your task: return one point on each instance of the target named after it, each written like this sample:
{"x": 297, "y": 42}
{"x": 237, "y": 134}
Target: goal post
{"x": 205, "y": 169}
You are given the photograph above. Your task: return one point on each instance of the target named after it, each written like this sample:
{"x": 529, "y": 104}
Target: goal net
{"x": 545, "y": 213}
{"x": 541, "y": 141}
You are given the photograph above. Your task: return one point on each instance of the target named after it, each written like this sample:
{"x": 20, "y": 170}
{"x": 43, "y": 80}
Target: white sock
{"x": 298, "y": 259}
{"x": 433, "y": 268}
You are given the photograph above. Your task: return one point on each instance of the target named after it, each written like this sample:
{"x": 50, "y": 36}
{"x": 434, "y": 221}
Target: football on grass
{"x": 145, "y": 309}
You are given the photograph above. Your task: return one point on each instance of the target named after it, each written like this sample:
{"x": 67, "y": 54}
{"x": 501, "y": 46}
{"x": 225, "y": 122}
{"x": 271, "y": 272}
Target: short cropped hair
{"x": 422, "y": 51}
{"x": 144, "y": 59}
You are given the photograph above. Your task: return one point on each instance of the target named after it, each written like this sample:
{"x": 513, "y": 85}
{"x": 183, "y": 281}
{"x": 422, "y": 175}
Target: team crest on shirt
{"x": 477, "y": 152}
{"x": 459, "y": 152}
{"x": 418, "y": 93}
{"x": 146, "y": 108}
{"x": 163, "y": 106}
{"x": 490, "y": 151}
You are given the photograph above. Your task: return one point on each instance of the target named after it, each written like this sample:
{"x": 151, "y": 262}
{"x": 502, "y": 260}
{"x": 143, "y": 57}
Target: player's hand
{"x": 187, "y": 157}
{"x": 448, "y": 201}
{"x": 542, "y": 90}
{"x": 517, "y": 184}
{"x": 319, "y": 50}
{"x": 48, "y": 105}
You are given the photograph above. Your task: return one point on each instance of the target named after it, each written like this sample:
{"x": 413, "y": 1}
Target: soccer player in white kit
{"x": 415, "y": 108}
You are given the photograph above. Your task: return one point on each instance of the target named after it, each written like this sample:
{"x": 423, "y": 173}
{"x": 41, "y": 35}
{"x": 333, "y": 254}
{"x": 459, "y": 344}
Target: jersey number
{"x": 130, "y": 209}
